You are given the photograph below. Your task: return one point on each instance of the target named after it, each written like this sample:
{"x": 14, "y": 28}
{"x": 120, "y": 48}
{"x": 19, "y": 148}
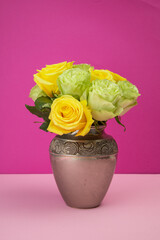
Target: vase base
{"x": 82, "y": 207}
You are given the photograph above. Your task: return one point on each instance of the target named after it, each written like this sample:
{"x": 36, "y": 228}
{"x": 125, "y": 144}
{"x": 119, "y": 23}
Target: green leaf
{"x": 44, "y": 113}
{"x": 34, "y": 110}
{"x": 55, "y": 96}
{"x": 119, "y": 122}
{"x": 103, "y": 123}
{"x": 44, "y": 126}
{"x": 43, "y": 102}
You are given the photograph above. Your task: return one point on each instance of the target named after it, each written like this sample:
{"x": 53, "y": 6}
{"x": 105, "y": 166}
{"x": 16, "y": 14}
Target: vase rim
{"x": 93, "y": 130}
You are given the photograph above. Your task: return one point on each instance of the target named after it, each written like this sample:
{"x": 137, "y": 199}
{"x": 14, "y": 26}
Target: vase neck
{"x": 97, "y": 130}
{"x": 93, "y": 134}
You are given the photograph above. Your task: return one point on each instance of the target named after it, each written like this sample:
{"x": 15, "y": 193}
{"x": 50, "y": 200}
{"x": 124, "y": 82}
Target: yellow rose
{"x": 68, "y": 115}
{"x": 46, "y": 77}
{"x": 117, "y": 77}
{"x": 106, "y": 74}
{"x": 101, "y": 74}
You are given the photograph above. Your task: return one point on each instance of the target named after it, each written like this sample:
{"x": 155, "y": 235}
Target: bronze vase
{"x": 83, "y": 167}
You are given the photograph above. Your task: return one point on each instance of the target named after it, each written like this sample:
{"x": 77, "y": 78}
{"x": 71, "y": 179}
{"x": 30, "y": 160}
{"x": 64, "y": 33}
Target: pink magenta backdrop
{"x": 122, "y": 36}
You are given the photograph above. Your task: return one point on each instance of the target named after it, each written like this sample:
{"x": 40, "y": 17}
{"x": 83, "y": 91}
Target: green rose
{"x": 36, "y": 92}
{"x": 129, "y": 95}
{"x": 73, "y": 82}
{"x": 84, "y": 66}
{"x": 102, "y": 97}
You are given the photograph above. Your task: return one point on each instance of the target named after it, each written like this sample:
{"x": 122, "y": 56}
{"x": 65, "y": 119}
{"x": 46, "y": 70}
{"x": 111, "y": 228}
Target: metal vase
{"x": 83, "y": 167}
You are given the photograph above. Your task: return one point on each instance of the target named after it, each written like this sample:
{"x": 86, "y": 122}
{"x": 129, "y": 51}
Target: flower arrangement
{"x": 70, "y": 97}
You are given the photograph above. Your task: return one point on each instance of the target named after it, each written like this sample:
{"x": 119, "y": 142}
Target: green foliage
{"x": 44, "y": 113}
{"x": 55, "y": 96}
{"x": 44, "y": 126}
{"x": 99, "y": 123}
{"x": 118, "y": 120}
{"x": 42, "y": 110}
{"x": 43, "y": 102}
{"x": 34, "y": 110}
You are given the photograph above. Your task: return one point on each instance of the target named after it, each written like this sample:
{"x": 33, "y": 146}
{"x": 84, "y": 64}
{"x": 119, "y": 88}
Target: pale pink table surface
{"x": 31, "y": 208}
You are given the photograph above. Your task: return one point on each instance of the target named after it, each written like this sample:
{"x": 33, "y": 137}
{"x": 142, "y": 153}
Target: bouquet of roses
{"x": 71, "y": 97}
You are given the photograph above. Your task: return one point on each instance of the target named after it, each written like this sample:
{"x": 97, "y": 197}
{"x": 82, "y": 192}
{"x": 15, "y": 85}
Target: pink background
{"x": 122, "y": 36}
